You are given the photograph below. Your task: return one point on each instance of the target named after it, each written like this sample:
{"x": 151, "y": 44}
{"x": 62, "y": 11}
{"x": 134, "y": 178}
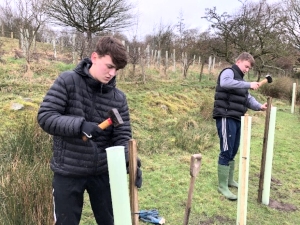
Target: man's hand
{"x": 139, "y": 173}
{"x": 90, "y": 130}
{"x": 139, "y": 178}
{"x": 254, "y": 85}
{"x": 264, "y": 107}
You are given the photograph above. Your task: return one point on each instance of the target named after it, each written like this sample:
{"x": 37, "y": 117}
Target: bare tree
{"x": 134, "y": 53}
{"x": 186, "y": 42}
{"x": 204, "y": 44}
{"x": 7, "y": 16}
{"x": 137, "y": 53}
{"x": 257, "y": 28}
{"x": 291, "y": 10}
{"x": 29, "y": 17}
{"x": 91, "y": 17}
{"x": 180, "y": 26}
{"x": 188, "y": 49}
{"x": 162, "y": 41}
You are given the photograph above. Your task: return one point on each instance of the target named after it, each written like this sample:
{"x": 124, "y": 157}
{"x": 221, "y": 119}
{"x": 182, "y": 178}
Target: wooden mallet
{"x": 113, "y": 119}
{"x": 268, "y": 79}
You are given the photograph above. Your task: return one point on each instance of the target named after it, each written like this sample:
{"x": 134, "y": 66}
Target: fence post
{"x": 209, "y": 64}
{"x": 293, "y": 98}
{"x": 148, "y": 55}
{"x": 158, "y": 58}
{"x": 2, "y": 29}
{"x": 194, "y": 60}
{"x": 264, "y": 151}
{"x": 174, "y": 60}
{"x": 33, "y": 40}
{"x": 74, "y": 49}
{"x": 22, "y": 40}
{"x": 167, "y": 58}
{"x": 244, "y": 170}
{"x": 152, "y": 56}
{"x": 54, "y": 48}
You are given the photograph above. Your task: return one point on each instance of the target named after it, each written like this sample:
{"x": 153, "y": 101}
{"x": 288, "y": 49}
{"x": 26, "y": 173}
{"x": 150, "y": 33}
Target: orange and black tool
{"x": 113, "y": 119}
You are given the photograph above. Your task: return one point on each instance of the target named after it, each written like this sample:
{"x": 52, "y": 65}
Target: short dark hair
{"x": 114, "y": 48}
{"x": 245, "y": 56}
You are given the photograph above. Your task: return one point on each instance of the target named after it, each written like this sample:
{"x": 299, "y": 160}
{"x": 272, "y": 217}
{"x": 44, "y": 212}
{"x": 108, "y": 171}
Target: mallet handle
{"x": 106, "y": 123}
{"x": 263, "y": 82}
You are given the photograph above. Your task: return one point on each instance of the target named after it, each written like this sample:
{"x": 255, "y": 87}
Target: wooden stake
{"x": 194, "y": 170}
{"x": 132, "y": 176}
{"x": 244, "y": 170}
{"x": 264, "y": 151}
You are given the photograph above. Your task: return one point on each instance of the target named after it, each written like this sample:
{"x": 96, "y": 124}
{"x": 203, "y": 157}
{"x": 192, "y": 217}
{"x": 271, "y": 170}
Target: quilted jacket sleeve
{"x": 51, "y": 115}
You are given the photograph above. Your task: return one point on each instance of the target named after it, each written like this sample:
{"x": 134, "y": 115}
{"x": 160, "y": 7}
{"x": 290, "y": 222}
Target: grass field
{"x": 166, "y": 171}
{"x": 171, "y": 120}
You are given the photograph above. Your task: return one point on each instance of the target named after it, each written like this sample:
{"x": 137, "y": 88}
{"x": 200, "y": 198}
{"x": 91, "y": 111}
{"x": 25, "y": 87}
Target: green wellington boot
{"x": 231, "y": 182}
{"x": 223, "y": 174}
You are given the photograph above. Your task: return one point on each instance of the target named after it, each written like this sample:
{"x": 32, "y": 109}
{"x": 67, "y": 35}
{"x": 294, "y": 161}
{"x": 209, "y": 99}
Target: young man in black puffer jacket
{"x": 75, "y": 104}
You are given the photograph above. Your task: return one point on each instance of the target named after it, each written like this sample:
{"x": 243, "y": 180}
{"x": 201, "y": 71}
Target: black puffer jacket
{"x": 73, "y": 98}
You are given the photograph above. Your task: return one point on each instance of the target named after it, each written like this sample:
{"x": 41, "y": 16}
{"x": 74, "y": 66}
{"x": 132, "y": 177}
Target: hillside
{"x": 171, "y": 120}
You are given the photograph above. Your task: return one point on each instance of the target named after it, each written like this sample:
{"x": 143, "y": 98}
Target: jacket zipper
{"x": 94, "y": 144}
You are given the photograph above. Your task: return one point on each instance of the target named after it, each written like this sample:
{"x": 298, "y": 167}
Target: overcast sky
{"x": 152, "y": 13}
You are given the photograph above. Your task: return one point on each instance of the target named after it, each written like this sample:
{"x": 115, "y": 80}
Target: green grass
{"x": 171, "y": 120}
{"x": 167, "y": 181}
{"x": 166, "y": 174}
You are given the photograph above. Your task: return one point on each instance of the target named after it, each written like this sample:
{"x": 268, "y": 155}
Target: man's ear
{"x": 238, "y": 62}
{"x": 94, "y": 56}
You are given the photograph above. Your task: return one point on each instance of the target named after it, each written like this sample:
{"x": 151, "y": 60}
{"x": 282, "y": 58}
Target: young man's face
{"x": 102, "y": 69}
{"x": 244, "y": 65}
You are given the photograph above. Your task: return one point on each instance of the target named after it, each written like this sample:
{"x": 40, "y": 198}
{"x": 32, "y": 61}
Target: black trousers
{"x": 68, "y": 194}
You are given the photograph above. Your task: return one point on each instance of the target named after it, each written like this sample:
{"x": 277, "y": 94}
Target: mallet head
{"x": 269, "y": 78}
{"x": 115, "y": 117}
